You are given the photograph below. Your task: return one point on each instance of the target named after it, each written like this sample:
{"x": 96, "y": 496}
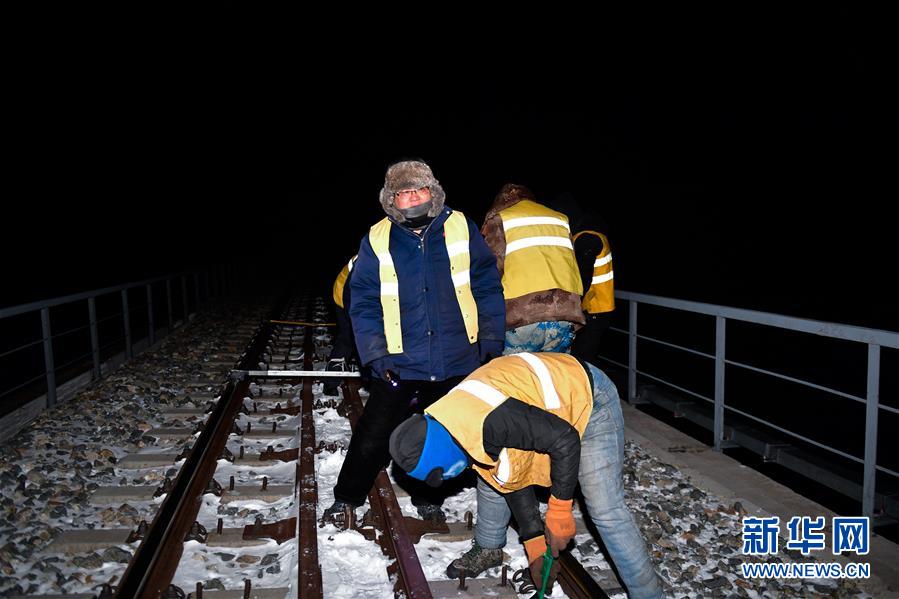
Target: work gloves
{"x": 381, "y": 365}
{"x": 535, "y": 549}
{"x": 559, "y": 524}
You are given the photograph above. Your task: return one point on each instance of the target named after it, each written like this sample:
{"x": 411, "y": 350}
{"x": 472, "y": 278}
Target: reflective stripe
{"x": 482, "y": 391}
{"x": 551, "y": 264}
{"x": 550, "y": 397}
{"x": 455, "y": 230}
{"x": 459, "y": 247}
{"x": 603, "y": 278}
{"x": 537, "y": 241}
{"x": 503, "y": 467}
{"x": 604, "y": 260}
{"x": 379, "y": 236}
{"x": 524, "y": 221}
{"x": 461, "y": 278}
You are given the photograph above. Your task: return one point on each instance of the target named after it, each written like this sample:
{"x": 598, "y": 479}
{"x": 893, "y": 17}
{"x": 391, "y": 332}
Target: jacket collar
{"x": 436, "y": 223}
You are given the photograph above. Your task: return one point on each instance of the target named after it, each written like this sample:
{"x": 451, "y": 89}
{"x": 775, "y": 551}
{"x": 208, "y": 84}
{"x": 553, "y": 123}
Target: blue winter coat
{"x": 435, "y": 344}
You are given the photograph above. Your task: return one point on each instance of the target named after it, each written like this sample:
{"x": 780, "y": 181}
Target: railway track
{"x": 235, "y": 513}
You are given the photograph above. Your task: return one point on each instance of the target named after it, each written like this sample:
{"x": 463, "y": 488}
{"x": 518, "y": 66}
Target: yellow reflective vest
{"x": 456, "y": 236}
{"x": 554, "y": 382}
{"x": 340, "y": 282}
{"x": 539, "y": 254}
{"x": 601, "y": 295}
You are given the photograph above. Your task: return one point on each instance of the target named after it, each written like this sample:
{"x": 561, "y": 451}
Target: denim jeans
{"x": 602, "y": 456}
{"x": 546, "y": 336}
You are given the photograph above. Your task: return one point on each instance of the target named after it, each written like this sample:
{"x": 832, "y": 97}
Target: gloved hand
{"x": 535, "y": 548}
{"x": 489, "y": 349}
{"x": 381, "y": 365}
{"x": 559, "y": 524}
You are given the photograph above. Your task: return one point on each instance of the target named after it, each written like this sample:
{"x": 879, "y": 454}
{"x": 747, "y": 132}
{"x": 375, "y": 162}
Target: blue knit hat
{"x": 425, "y": 449}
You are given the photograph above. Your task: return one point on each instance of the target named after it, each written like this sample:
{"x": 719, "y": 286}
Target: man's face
{"x": 407, "y": 198}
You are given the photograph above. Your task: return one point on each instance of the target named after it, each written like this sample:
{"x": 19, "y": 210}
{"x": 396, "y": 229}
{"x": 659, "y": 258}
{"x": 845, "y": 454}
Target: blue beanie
{"x": 425, "y": 449}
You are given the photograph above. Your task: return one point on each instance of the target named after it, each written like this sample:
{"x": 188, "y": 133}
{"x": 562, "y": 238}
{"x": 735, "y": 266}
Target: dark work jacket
{"x": 435, "y": 343}
{"x": 586, "y": 248}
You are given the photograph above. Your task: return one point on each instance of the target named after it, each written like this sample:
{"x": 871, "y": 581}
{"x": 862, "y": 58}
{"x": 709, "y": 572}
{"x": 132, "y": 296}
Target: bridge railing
{"x": 873, "y": 339}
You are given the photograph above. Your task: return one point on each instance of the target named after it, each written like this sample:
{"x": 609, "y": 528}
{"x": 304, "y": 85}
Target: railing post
{"x": 168, "y": 299}
{"x": 871, "y": 412}
{"x": 126, "y": 317}
{"x": 719, "y": 380}
{"x": 184, "y": 295}
{"x": 197, "y": 291}
{"x": 48, "y": 357}
{"x": 632, "y": 353}
{"x": 95, "y": 335}
{"x": 151, "y": 321}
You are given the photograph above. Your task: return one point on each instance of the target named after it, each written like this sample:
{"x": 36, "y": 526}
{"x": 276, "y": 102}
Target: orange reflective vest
{"x": 554, "y": 382}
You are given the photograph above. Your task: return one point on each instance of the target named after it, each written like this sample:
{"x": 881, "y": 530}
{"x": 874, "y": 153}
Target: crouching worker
{"x": 532, "y": 419}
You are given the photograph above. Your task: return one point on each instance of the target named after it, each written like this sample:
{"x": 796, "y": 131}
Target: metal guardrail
{"x": 875, "y": 339}
{"x": 219, "y": 280}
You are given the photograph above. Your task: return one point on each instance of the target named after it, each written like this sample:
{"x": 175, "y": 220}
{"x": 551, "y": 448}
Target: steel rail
{"x": 310, "y": 576}
{"x": 411, "y": 581}
{"x": 155, "y": 562}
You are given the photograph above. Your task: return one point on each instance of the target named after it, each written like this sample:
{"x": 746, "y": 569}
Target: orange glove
{"x": 535, "y": 548}
{"x": 559, "y": 524}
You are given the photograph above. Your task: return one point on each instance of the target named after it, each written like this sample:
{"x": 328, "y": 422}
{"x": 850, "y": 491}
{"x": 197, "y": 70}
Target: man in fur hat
{"x": 427, "y": 309}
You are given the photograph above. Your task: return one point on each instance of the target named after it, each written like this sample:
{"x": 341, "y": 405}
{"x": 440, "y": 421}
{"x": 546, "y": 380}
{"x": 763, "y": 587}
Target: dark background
{"x": 753, "y": 176}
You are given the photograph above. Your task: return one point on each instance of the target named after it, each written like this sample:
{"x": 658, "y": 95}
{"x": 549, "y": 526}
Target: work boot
{"x": 431, "y": 512}
{"x": 336, "y": 514}
{"x": 329, "y": 387}
{"x": 474, "y": 561}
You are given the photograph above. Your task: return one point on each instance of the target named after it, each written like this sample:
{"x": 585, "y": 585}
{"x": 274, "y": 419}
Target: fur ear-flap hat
{"x": 410, "y": 174}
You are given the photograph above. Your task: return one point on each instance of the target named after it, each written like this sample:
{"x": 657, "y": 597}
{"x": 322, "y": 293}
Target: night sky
{"x": 759, "y": 179}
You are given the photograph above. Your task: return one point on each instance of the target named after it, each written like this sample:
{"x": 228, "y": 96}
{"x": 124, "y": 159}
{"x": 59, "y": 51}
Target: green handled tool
{"x": 544, "y": 573}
